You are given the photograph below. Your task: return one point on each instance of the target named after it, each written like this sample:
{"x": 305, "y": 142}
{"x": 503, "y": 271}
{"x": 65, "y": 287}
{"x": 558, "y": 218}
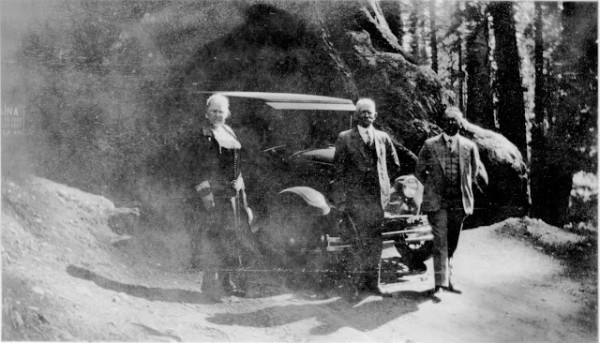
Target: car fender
{"x": 311, "y": 197}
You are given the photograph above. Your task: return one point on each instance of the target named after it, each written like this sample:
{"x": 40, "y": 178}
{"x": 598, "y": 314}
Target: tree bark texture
{"x": 433, "y": 35}
{"x": 539, "y": 67}
{"x": 480, "y": 108}
{"x": 540, "y": 192}
{"x": 511, "y": 106}
{"x": 392, "y": 11}
{"x": 414, "y": 31}
{"x": 461, "y": 75}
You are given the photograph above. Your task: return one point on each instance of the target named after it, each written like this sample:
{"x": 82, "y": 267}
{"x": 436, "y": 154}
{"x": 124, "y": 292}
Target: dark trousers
{"x": 367, "y": 216}
{"x": 447, "y": 224}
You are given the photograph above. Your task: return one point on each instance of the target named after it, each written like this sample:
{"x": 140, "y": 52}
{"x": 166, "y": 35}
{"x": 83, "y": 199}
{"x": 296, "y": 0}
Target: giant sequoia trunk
{"x": 479, "y": 87}
{"x": 511, "y": 106}
{"x": 392, "y": 11}
{"x": 352, "y": 53}
{"x": 540, "y": 192}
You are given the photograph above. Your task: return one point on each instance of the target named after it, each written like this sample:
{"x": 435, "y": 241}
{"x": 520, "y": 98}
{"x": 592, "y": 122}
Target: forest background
{"x": 100, "y": 94}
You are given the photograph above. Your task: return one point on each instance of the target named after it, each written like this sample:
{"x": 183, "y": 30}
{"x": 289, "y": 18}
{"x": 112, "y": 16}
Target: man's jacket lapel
{"x": 463, "y": 155}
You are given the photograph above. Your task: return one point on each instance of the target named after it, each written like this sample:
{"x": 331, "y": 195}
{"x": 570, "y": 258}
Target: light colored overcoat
{"x": 431, "y": 168}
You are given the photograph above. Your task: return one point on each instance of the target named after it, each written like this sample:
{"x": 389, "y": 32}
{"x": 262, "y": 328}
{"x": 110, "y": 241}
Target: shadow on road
{"x": 365, "y": 315}
{"x": 149, "y": 293}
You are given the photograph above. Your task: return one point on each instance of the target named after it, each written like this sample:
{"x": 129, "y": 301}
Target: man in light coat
{"x": 448, "y": 166}
{"x": 364, "y": 160}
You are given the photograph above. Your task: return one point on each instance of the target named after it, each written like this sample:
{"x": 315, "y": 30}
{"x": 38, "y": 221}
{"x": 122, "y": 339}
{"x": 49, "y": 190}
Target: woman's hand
{"x": 208, "y": 201}
{"x": 238, "y": 184}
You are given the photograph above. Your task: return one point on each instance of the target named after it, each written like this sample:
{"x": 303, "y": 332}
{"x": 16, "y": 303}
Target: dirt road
{"x": 63, "y": 280}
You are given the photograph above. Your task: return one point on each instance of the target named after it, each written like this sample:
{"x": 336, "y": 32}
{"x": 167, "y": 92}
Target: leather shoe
{"x": 373, "y": 289}
{"x": 444, "y": 289}
{"x": 379, "y": 293}
{"x": 451, "y": 289}
{"x": 432, "y": 293}
{"x": 361, "y": 294}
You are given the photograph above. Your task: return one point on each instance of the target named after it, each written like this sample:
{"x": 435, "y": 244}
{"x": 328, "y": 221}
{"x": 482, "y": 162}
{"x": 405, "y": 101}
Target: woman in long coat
{"x": 218, "y": 180}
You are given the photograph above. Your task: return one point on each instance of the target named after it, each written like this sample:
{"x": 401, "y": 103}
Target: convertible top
{"x": 291, "y": 101}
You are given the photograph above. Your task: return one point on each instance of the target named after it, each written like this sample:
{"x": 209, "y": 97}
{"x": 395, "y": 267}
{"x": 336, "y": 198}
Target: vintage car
{"x": 302, "y": 226}
{"x": 406, "y": 235}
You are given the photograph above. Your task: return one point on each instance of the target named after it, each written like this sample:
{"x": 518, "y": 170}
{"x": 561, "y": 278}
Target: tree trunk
{"x": 424, "y": 36}
{"x": 433, "y": 29}
{"x": 511, "y": 106}
{"x": 461, "y": 75}
{"x": 539, "y": 68}
{"x": 479, "y": 89}
{"x": 392, "y": 11}
{"x": 414, "y": 32}
{"x": 540, "y": 192}
{"x": 571, "y": 97}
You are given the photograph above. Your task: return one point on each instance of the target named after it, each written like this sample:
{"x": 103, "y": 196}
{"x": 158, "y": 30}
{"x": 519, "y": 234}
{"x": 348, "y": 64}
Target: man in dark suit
{"x": 449, "y": 167}
{"x": 364, "y": 160}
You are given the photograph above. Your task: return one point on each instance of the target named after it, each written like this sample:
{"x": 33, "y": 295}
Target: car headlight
{"x": 410, "y": 188}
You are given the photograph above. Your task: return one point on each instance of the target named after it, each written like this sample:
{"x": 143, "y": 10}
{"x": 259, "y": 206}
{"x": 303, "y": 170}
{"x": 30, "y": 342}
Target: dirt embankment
{"x": 68, "y": 276}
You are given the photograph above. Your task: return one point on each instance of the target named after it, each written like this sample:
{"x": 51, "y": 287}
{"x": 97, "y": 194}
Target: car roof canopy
{"x": 291, "y": 101}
